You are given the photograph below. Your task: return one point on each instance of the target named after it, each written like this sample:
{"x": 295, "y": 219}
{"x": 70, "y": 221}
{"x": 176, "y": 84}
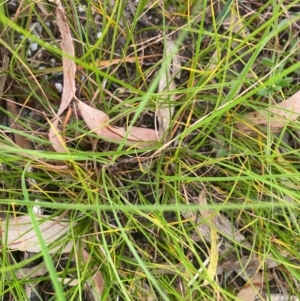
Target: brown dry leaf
{"x": 38, "y": 271}
{"x": 247, "y": 266}
{"x": 251, "y": 289}
{"x": 216, "y": 223}
{"x": 222, "y": 224}
{"x": 29, "y": 273}
{"x": 42, "y": 8}
{"x": 98, "y": 283}
{"x": 18, "y": 233}
{"x": 276, "y": 118}
{"x": 69, "y": 70}
{"x": 165, "y": 109}
{"x": 97, "y": 122}
{"x": 69, "y": 66}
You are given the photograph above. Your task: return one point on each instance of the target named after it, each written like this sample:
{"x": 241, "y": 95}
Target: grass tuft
{"x": 137, "y": 211}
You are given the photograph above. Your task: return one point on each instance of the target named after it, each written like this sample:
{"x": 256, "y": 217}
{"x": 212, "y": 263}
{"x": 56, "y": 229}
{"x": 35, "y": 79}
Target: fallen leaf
{"x": 251, "y": 289}
{"x": 277, "y": 116}
{"x": 69, "y": 70}
{"x": 165, "y": 109}
{"x": 247, "y": 266}
{"x": 98, "y": 122}
{"x": 42, "y": 7}
{"x": 18, "y": 234}
{"x": 69, "y": 66}
{"x": 97, "y": 281}
{"x": 29, "y": 273}
{"x": 222, "y": 224}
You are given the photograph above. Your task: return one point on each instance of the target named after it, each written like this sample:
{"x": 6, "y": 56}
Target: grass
{"x": 135, "y": 210}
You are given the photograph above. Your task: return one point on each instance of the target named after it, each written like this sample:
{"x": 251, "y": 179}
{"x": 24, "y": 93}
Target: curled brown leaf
{"x": 69, "y": 70}
{"x": 69, "y": 66}
{"x": 98, "y": 122}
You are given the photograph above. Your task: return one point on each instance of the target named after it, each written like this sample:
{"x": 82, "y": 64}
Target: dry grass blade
{"x": 183, "y": 66}
{"x": 55, "y": 137}
{"x": 102, "y": 64}
{"x": 235, "y": 23}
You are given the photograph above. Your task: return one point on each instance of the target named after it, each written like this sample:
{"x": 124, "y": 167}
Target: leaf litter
{"x": 276, "y": 116}
{"x": 18, "y": 233}
{"x": 96, "y": 120}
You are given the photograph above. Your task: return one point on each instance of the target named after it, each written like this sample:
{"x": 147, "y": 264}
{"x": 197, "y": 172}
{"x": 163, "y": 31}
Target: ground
{"x": 174, "y": 165}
